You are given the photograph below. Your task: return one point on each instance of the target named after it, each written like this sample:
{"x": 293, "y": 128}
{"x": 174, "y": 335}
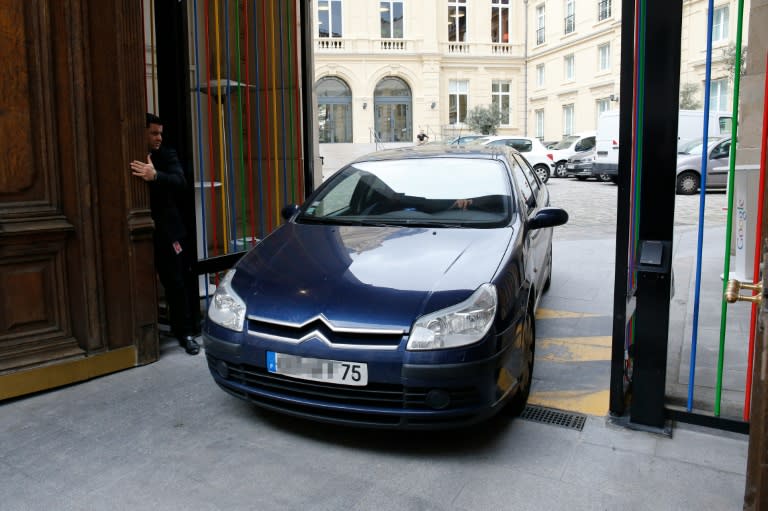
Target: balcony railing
{"x": 458, "y": 48}
{"x": 570, "y": 23}
{"x": 330, "y": 43}
{"x": 502, "y": 49}
{"x": 540, "y": 36}
{"x": 393, "y": 45}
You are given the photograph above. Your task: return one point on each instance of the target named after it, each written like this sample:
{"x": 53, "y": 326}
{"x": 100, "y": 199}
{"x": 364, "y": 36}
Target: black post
{"x": 661, "y": 83}
{"x": 620, "y": 297}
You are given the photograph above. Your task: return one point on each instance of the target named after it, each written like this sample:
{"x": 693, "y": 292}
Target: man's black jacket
{"x": 166, "y": 195}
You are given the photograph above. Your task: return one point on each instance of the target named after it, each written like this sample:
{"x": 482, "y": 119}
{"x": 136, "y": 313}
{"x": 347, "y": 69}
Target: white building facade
{"x": 387, "y": 69}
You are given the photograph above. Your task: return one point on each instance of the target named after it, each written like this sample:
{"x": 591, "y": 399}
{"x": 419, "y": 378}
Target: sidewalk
{"x": 164, "y": 437}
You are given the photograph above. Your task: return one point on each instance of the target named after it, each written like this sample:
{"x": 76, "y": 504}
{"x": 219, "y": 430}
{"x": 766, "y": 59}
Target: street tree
{"x": 484, "y": 119}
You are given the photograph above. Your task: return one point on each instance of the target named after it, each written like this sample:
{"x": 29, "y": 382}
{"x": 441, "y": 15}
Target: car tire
{"x": 543, "y": 172}
{"x": 688, "y": 183}
{"x": 560, "y": 170}
{"x": 604, "y": 178}
{"x": 520, "y": 399}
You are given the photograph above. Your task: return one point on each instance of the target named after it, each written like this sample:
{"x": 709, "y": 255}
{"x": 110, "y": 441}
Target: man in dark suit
{"x": 163, "y": 173}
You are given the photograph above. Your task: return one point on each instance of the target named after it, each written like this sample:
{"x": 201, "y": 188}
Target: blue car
{"x": 401, "y": 294}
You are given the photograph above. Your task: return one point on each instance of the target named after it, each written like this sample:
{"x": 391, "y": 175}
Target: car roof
{"x": 436, "y": 151}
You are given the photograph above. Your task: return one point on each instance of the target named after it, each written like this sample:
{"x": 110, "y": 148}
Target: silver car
{"x": 689, "y": 166}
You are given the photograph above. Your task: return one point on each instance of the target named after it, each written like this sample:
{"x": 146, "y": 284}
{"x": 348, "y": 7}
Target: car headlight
{"x": 227, "y": 308}
{"x": 459, "y": 325}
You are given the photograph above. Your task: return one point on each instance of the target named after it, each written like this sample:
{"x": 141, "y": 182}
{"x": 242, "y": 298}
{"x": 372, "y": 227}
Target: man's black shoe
{"x": 189, "y": 344}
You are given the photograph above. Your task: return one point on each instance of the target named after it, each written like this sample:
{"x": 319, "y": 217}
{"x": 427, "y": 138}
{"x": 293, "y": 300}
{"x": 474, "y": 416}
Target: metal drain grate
{"x": 555, "y": 417}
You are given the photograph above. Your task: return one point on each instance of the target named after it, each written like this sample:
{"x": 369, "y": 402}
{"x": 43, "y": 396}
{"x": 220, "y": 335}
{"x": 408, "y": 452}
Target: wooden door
{"x": 77, "y": 286}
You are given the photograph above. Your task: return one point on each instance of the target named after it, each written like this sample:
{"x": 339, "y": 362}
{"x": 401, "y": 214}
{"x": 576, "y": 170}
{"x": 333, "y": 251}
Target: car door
{"x": 717, "y": 165}
{"x": 537, "y": 242}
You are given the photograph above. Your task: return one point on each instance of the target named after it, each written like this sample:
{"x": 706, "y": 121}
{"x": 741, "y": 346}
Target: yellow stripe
{"x": 554, "y": 314}
{"x": 564, "y": 351}
{"x": 591, "y": 403}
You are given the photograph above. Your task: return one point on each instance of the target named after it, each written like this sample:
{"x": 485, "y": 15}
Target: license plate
{"x": 317, "y": 369}
{"x": 570, "y": 166}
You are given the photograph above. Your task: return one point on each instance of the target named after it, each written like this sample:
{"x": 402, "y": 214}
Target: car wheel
{"x": 543, "y": 172}
{"x": 520, "y": 399}
{"x": 604, "y": 178}
{"x": 560, "y": 169}
{"x": 688, "y": 183}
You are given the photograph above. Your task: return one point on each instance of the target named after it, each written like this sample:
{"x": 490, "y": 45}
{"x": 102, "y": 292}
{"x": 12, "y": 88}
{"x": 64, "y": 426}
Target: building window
{"x": 568, "y": 119}
{"x": 334, "y": 110}
{"x": 603, "y": 10}
{"x": 500, "y": 21}
{"x": 718, "y": 94}
{"x": 604, "y": 57}
{"x": 457, "y": 21}
{"x": 720, "y": 24}
{"x": 329, "y": 18}
{"x": 501, "y": 97}
{"x": 540, "y": 24}
{"x": 540, "y": 124}
{"x": 540, "y": 75}
{"x": 570, "y": 16}
{"x": 601, "y": 105}
{"x": 458, "y": 94}
{"x": 568, "y": 72}
{"x": 391, "y": 19}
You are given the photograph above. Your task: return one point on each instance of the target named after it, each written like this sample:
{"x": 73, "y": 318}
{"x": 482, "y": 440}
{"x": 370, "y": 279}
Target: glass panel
{"x": 333, "y": 87}
{"x": 392, "y": 87}
{"x": 397, "y": 20}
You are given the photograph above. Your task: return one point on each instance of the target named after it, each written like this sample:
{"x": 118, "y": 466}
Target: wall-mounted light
{"x": 365, "y": 105}
{"x": 613, "y": 97}
{"x": 433, "y": 105}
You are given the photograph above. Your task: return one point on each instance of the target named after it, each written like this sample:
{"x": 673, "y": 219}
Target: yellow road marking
{"x": 553, "y": 314}
{"x": 575, "y": 349}
{"x": 591, "y": 403}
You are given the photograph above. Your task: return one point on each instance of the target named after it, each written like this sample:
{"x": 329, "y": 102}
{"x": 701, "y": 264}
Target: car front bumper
{"x": 578, "y": 169}
{"x": 412, "y": 396}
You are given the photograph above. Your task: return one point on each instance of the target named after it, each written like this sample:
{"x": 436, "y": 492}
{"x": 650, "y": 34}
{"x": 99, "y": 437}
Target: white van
{"x": 690, "y": 126}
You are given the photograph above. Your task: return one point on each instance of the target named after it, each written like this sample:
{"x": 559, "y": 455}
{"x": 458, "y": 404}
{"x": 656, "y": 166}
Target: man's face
{"x": 154, "y": 136}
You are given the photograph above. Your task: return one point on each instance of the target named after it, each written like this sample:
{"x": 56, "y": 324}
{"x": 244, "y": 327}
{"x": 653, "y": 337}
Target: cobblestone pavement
{"x": 591, "y": 208}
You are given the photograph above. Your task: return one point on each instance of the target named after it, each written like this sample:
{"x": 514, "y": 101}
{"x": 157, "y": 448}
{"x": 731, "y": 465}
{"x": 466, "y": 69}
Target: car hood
{"x": 382, "y": 277}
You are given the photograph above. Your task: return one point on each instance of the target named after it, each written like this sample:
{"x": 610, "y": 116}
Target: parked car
{"x": 569, "y": 146}
{"x": 688, "y": 179}
{"x": 532, "y": 149}
{"x": 580, "y": 166}
{"x": 401, "y": 294}
{"x": 551, "y": 144}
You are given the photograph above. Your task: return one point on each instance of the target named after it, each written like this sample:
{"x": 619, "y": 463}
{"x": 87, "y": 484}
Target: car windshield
{"x": 566, "y": 142}
{"x": 693, "y": 146}
{"x": 432, "y": 192}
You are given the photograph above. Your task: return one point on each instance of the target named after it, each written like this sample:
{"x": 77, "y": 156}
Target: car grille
{"x": 375, "y": 395}
{"x": 362, "y": 338}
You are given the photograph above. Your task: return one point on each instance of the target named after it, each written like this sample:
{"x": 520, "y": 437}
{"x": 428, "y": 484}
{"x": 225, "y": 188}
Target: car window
{"x": 721, "y": 150}
{"x": 522, "y": 145}
{"x": 585, "y": 144}
{"x": 448, "y": 191}
{"x": 566, "y": 142}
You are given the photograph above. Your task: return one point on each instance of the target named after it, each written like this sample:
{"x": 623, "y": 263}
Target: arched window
{"x": 334, "y": 110}
{"x": 392, "y": 108}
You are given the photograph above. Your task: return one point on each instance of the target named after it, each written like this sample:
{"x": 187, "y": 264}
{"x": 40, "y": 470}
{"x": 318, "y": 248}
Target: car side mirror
{"x": 288, "y": 211}
{"x": 548, "y": 217}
